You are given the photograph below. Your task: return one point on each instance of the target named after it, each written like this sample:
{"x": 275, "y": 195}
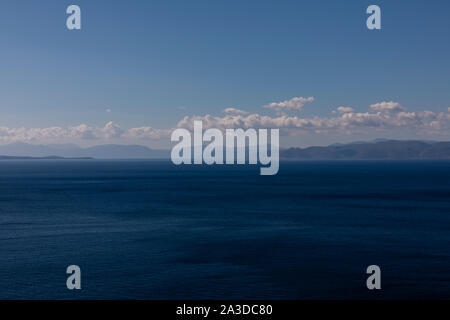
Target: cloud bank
{"x": 80, "y": 132}
{"x": 382, "y": 116}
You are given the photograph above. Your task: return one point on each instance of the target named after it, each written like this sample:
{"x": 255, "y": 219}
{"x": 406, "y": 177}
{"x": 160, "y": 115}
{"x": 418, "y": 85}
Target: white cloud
{"x": 234, "y": 111}
{"x": 388, "y": 116}
{"x": 81, "y": 131}
{"x": 294, "y": 104}
{"x": 111, "y": 130}
{"x": 387, "y": 106}
{"x": 147, "y": 133}
{"x": 343, "y": 110}
{"x": 383, "y": 116}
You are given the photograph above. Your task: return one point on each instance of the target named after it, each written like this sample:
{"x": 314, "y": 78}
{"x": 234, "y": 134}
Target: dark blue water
{"x": 150, "y": 230}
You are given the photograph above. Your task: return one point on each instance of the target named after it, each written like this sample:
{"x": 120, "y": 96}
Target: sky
{"x": 139, "y": 69}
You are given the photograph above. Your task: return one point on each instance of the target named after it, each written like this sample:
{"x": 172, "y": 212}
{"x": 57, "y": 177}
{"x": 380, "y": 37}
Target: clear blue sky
{"x": 154, "y": 62}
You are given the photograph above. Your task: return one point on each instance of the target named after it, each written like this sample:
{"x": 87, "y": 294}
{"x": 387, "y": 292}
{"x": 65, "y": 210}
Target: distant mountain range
{"x": 376, "y": 150}
{"x": 107, "y": 151}
{"x": 40, "y": 158}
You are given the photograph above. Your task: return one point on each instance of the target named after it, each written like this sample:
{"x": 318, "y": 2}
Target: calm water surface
{"x": 151, "y": 230}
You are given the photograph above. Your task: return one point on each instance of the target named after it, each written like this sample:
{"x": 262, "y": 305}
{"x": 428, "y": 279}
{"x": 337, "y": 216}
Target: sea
{"x": 147, "y": 229}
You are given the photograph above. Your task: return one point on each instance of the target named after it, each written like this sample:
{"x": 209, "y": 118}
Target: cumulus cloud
{"x": 294, "y": 104}
{"x": 234, "y": 111}
{"x": 343, "y": 110}
{"x": 33, "y": 134}
{"x": 111, "y": 130}
{"x": 387, "y": 106}
{"x": 83, "y": 131}
{"x": 147, "y": 133}
{"x": 382, "y": 116}
{"x": 387, "y": 116}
